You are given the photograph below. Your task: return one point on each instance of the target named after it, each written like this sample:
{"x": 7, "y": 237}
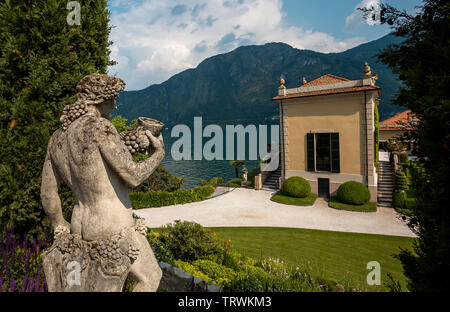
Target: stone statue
{"x": 104, "y": 243}
{"x": 244, "y": 176}
{"x": 367, "y": 70}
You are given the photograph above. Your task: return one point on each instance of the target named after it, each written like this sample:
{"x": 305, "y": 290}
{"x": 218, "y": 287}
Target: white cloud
{"x": 357, "y": 17}
{"x": 156, "y": 39}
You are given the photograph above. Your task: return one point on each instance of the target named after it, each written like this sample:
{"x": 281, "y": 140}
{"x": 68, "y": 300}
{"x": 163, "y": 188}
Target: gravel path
{"x": 246, "y": 207}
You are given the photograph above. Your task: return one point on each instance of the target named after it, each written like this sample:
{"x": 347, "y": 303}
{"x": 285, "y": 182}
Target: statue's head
{"x": 96, "y": 91}
{"x": 97, "y": 88}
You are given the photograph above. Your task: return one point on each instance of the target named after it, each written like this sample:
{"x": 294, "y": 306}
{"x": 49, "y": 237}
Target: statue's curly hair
{"x": 91, "y": 90}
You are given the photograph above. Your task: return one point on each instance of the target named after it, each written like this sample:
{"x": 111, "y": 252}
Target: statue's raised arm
{"x": 95, "y": 161}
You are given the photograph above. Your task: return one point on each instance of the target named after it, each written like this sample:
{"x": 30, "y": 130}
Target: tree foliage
{"x": 422, "y": 61}
{"x": 42, "y": 58}
{"x": 236, "y": 164}
{"x": 121, "y": 124}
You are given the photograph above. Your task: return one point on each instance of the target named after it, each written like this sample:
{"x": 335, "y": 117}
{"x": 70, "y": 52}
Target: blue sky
{"x": 329, "y": 16}
{"x": 155, "y": 39}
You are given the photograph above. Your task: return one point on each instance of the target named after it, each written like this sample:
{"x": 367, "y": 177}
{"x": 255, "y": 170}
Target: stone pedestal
{"x": 258, "y": 182}
{"x": 72, "y": 264}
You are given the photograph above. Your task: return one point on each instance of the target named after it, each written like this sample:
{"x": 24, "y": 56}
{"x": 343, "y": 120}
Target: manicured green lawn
{"x": 337, "y": 256}
{"x": 367, "y": 207}
{"x": 289, "y": 200}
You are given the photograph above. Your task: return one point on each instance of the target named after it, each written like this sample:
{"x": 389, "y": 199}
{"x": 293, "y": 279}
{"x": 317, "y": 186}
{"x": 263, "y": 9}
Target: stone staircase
{"x": 273, "y": 180}
{"x": 385, "y": 184}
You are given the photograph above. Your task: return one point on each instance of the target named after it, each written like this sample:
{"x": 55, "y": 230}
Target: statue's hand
{"x": 157, "y": 143}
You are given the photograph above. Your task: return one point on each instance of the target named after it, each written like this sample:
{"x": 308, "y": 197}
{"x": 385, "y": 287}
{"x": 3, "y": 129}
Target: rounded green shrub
{"x": 296, "y": 187}
{"x": 189, "y": 241}
{"x": 353, "y": 193}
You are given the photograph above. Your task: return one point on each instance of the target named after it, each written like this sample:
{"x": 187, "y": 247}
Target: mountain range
{"x": 238, "y": 86}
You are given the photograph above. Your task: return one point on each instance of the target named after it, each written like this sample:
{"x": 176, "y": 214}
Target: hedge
{"x": 161, "y": 198}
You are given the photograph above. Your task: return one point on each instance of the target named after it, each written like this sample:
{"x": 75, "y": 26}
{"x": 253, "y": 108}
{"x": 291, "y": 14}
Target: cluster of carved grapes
{"x": 136, "y": 141}
{"x": 71, "y": 113}
{"x": 109, "y": 249}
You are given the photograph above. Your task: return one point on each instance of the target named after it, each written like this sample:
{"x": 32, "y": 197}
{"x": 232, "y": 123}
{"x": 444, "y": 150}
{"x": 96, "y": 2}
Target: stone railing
{"x": 396, "y": 162}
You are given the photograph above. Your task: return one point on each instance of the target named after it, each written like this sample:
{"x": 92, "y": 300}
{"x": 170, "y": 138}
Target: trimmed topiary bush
{"x": 403, "y": 157}
{"x": 400, "y": 181}
{"x": 399, "y": 200}
{"x": 353, "y": 193}
{"x": 296, "y": 187}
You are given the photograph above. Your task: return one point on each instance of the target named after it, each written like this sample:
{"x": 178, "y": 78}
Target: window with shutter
{"x": 310, "y": 152}
{"x": 335, "y": 157}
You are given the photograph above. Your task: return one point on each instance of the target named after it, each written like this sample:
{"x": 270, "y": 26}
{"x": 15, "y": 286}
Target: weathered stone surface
{"x": 177, "y": 280}
{"x": 73, "y": 264}
{"x": 244, "y": 176}
{"x": 90, "y": 157}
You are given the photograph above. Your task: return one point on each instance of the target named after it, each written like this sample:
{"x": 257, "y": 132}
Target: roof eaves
{"x": 327, "y": 92}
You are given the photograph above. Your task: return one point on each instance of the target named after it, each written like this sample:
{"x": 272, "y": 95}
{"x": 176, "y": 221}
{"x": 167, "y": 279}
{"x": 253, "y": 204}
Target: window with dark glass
{"x": 323, "y": 152}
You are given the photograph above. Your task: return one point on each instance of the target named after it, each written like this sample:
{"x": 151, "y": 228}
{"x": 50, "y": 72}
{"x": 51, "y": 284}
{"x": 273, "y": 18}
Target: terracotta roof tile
{"x": 402, "y": 117}
{"x": 396, "y": 128}
{"x": 324, "y": 80}
{"x": 395, "y": 122}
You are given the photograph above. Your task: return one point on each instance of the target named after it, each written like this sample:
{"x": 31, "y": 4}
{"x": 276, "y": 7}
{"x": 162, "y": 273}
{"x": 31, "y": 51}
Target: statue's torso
{"x": 102, "y": 203}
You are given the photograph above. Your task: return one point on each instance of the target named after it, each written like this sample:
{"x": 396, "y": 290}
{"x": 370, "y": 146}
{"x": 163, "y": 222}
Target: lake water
{"x": 194, "y": 170}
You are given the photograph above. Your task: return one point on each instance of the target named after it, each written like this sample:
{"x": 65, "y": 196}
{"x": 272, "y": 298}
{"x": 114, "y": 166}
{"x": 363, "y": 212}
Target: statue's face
{"x": 106, "y": 108}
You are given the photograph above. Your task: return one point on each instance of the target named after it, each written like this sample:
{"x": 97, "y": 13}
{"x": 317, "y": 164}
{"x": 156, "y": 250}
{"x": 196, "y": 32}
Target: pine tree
{"x": 42, "y": 58}
{"x": 422, "y": 61}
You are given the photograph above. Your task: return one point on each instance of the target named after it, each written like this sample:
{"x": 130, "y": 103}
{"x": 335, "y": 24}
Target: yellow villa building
{"x": 327, "y": 132}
